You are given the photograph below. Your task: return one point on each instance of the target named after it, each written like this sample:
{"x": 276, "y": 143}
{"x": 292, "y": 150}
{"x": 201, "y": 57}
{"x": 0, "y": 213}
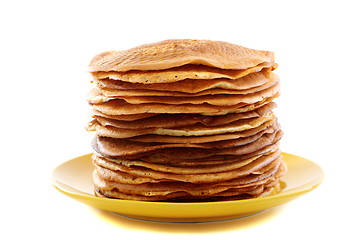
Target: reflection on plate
{"x": 74, "y": 179}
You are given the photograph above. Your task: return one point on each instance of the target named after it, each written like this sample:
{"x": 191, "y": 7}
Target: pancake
{"x": 110, "y": 93}
{"x": 190, "y": 85}
{"x": 175, "y": 197}
{"x": 178, "y": 52}
{"x": 117, "y": 148}
{"x": 176, "y": 120}
{"x": 96, "y": 97}
{"x": 124, "y": 117}
{"x": 113, "y": 93}
{"x": 197, "y": 129}
{"x": 121, "y": 107}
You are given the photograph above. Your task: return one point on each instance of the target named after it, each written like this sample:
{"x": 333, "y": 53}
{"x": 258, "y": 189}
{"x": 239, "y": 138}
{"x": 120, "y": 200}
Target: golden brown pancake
{"x": 197, "y": 129}
{"x": 96, "y": 97}
{"x": 116, "y": 148}
{"x": 192, "y": 86}
{"x": 178, "y": 52}
{"x": 176, "y": 120}
{"x": 121, "y": 107}
{"x": 178, "y": 196}
{"x": 123, "y": 117}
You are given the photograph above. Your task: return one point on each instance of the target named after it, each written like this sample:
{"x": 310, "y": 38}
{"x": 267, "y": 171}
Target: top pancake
{"x": 179, "y": 52}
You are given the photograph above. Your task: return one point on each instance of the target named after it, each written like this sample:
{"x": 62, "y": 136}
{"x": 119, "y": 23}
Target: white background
{"x": 47, "y": 45}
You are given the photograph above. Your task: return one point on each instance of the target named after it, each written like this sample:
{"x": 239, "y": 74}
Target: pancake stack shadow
{"x": 185, "y": 120}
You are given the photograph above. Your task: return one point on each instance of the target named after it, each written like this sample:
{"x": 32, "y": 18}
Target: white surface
{"x": 46, "y": 46}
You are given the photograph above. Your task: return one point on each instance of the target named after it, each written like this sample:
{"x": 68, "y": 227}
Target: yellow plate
{"x": 74, "y": 179}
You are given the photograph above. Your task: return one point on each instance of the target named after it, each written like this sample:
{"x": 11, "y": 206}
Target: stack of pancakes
{"x": 185, "y": 120}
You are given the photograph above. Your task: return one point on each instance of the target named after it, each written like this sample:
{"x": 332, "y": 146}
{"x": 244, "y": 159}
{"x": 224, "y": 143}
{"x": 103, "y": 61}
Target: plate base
{"x": 190, "y": 220}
